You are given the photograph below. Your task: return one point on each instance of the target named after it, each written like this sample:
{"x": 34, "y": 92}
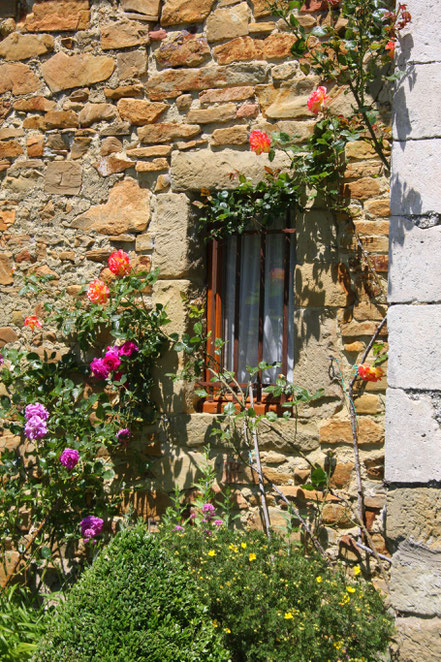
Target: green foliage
{"x": 21, "y": 625}
{"x": 273, "y": 603}
{"x": 230, "y": 211}
{"x": 135, "y": 603}
{"x": 85, "y": 415}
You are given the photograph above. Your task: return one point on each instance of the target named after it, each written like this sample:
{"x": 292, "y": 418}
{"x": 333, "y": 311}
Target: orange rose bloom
{"x": 259, "y": 142}
{"x": 119, "y": 263}
{"x": 32, "y": 322}
{"x": 390, "y": 47}
{"x": 98, "y": 292}
{"x": 317, "y": 100}
{"x": 369, "y": 373}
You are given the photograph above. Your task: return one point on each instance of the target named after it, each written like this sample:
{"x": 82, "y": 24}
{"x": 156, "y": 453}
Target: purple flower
{"x": 178, "y": 528}
{"x": 208, "y": 508}
{"x": 128, "y": 348}
{"x": 2, "y": 360}
{"x": 99, "y": 369}
{"x": 90, "y": 528}
{"x": 218, "y": 522}
{"x": 69, "y": 458}
{"x": 35, "y": 428}
{"x": 111, "y": 359}
{"x": 123, "y": 436}
{"x": 36, "y": 410}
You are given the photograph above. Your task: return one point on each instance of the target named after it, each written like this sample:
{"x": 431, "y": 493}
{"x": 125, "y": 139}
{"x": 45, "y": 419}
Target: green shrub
{"x": 21, "y": 625}
{"x": 273, "y": 604}
{"x": 135, "y": 603}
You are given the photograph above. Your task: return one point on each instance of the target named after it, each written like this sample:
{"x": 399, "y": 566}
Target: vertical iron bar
{"x": 261, "y": 312}
{"x": 237, "y": 305}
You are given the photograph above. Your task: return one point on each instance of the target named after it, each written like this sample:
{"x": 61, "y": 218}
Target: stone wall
{"x": 114, "y": 114}
{"x": 413, "y": 455}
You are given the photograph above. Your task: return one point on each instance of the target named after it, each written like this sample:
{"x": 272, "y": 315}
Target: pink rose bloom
{"x": 123, "y": 436}
{"x": 127, "y": 349}
{"x": 91, "y": 527}
{"x": 36, "y": 409}
{"x": 99, "y": 369}
{"x": 111, "y": 359}
{"x": 69, "y": 458}
{"x": 259, "y": 142}
{"x": 317, "y": 100}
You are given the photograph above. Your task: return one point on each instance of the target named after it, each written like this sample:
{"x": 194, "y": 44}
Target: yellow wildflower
{"x": 233, "y": 548}
{"x": 350, "y": 589}
{"x": 252, "y": 557}
{"x": 318, "y": 580}
{"x": 227, "y": 630}
{"x": 243, "y": 545}
{"x": 211, "y": 552}
{"x": 357, "y": 570}
{"x": 215, "y": 623}
{"x": 288, "y": 615}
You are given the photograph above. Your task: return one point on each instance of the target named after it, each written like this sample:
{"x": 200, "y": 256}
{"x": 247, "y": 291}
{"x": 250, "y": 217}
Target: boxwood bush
{"x": 135, "y": 603}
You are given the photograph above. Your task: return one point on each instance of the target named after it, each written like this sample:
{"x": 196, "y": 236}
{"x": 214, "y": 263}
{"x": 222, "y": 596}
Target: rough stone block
{"x": 413, "y": 119}
{"x": 228, "y": 23}
{"x": 150, "y": 8}
{"x": 415, "y": 267}
{"x": 61, "y": 72}
{"x": 182, "y": 11}
{"x": 414, "y": 336}
{"x": 418, "y": 637}
{"x": 416, "y": 173}
{"x": 18, "y": 46}
{"x": 318, "y": 285}
{"x": 337, "y": 431}
{"x": 56, "y": 15}
{"x": 63, "y": 178}
{"x": 168, "y": 292}
{"x": 123, "y": 34}
{"x": 202, "y": 168}
{"x": 18, "y": 78}
{"x": 164, "y": 133}
{"x": 413, "y": 437}
{"x": 414, "y": 513}
{"x": 170, "y": 225}
{"x": 127, "y": 210}
{"x": 182, "y": 50}
{"x": 139, "y": 111}
{"x": 415, "y": 581}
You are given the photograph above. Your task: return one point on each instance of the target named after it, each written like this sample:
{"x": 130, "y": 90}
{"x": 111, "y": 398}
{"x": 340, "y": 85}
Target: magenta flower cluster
{"x": 36, "y": 416}
{"x": 91, "y": 527}
{"x": 208, "y": 511}
{"x": 69, "y": 458}
{"x": 101, "y": 368}
{"x": 123, "y": 436}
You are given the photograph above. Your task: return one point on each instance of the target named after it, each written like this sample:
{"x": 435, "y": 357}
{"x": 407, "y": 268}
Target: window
{"x": 251, "y": 305}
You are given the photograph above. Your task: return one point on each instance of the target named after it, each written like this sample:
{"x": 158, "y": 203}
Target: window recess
{"x": 250, "y": 305}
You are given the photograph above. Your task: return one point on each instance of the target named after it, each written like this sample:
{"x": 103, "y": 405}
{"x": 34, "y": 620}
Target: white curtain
{"x": 249, "y": 304}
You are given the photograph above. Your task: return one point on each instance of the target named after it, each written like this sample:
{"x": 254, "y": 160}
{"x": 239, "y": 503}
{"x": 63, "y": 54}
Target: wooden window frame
{"x": 216, "y": 400}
